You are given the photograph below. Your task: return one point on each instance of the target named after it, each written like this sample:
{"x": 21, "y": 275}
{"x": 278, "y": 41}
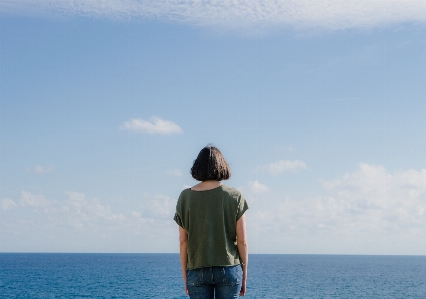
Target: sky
{"x": 318, "y": 106}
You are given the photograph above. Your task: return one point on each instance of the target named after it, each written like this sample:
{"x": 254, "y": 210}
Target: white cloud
{"x": 253, "y": 190}
{"x": 330, "y": 14}
{"x": 83, "y": 212}
{"x": 39, "y": 169}
{"x": 160, "y": 206}
{"x": 155, "y": 125}
{"x": 390, "y": 200}
{"x": 7, "y": 204}
{"x": 31, "y": 200}
{"x": 282, "y": 166}
{"x": 256, "y": 187}
{"x": 367, "y": 211}
{"x": 77, "y": 223}
{"x": 369, "y": 199}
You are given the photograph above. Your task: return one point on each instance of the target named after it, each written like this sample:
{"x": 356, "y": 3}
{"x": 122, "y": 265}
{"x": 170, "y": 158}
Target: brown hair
{"x": 210, "y": 165}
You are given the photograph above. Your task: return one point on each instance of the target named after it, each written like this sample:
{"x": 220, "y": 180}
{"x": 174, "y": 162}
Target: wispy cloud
{"x": 282, "y": 166}
{"x": 77, "y": 211}
{"x": 7, "y": 204}
{"x": 253, "y": 189}
{"x": 256, "y": 187}
{"x": 79, "y": 223}
{"x": 370, "y": 199}
{"x": 329, "y": 14}
{"x": 39, "y": 169}
{"x": 159, "y": 206}
{"x": 397, "y": 199}
{"x": 82, "y": 212}
{"x": 31, "y": 200}
{"x": 364, "y": 211}
{"x": 155, "y": 125}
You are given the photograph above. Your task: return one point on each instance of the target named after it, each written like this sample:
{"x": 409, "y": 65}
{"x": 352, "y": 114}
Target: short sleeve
{"x": 242, "y": 207}
{"x": 178, "y": 213}
{"x": 178, "y": 219}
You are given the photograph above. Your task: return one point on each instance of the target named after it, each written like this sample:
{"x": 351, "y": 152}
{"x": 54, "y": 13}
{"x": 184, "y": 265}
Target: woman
{"x": 212, "y": 231}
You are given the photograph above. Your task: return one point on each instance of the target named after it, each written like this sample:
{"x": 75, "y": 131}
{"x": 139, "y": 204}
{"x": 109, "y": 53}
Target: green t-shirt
{"x": 210, "y": 217}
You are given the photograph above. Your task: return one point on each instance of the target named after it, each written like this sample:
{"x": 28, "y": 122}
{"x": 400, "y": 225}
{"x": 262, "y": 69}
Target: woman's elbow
{"x": 183, "y": 240}
{"x": 183, "y": 236}
{"x": 242, "y": 241}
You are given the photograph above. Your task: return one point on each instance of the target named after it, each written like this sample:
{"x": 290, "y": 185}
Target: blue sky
{"x": 318, "y": 108}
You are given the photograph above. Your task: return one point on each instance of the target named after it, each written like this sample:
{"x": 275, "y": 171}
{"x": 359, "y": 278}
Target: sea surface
{"x": 71, "y": 275}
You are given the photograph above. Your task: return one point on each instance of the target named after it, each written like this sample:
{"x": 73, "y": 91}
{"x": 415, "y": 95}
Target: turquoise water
{"x": 39, "y": 275}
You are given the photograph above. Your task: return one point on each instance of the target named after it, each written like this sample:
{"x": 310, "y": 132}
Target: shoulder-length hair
{"x": 210, "y": 165}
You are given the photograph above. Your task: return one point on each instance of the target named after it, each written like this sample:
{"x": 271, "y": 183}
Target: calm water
{"x": 158, "y": 276}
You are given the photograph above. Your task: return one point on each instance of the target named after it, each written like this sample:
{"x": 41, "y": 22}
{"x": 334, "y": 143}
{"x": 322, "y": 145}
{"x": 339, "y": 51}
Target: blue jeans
{"x": 205, "y": 283}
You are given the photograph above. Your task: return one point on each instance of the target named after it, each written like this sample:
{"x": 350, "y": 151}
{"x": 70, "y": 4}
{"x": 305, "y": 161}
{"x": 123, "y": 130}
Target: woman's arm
{"x": 242, "y": 250}
{"x": 183, "y": 241}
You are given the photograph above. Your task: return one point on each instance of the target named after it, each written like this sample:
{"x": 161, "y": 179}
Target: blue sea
{"x": 69, "y": 275}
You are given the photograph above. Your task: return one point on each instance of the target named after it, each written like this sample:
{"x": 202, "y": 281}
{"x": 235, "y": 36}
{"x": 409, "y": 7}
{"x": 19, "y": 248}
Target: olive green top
{"x": 210, "y": 217}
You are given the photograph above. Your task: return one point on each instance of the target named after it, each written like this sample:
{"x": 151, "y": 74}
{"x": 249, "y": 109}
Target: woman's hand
{"x": 242, "y": 250}
{"x": 183, "y": 240}
{"x": 243, "y": 288}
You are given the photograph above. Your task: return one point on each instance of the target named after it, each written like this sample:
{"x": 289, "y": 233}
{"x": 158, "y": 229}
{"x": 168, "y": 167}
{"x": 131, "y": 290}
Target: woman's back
{"x": 209, "y": 217}
{"x": 212, "y": 231}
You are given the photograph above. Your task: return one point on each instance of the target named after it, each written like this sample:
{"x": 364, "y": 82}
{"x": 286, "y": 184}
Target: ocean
{"x": 73, "y": 275}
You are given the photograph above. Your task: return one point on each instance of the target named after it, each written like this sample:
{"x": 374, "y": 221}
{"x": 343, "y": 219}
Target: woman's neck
{"x": 206, "y": 185}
